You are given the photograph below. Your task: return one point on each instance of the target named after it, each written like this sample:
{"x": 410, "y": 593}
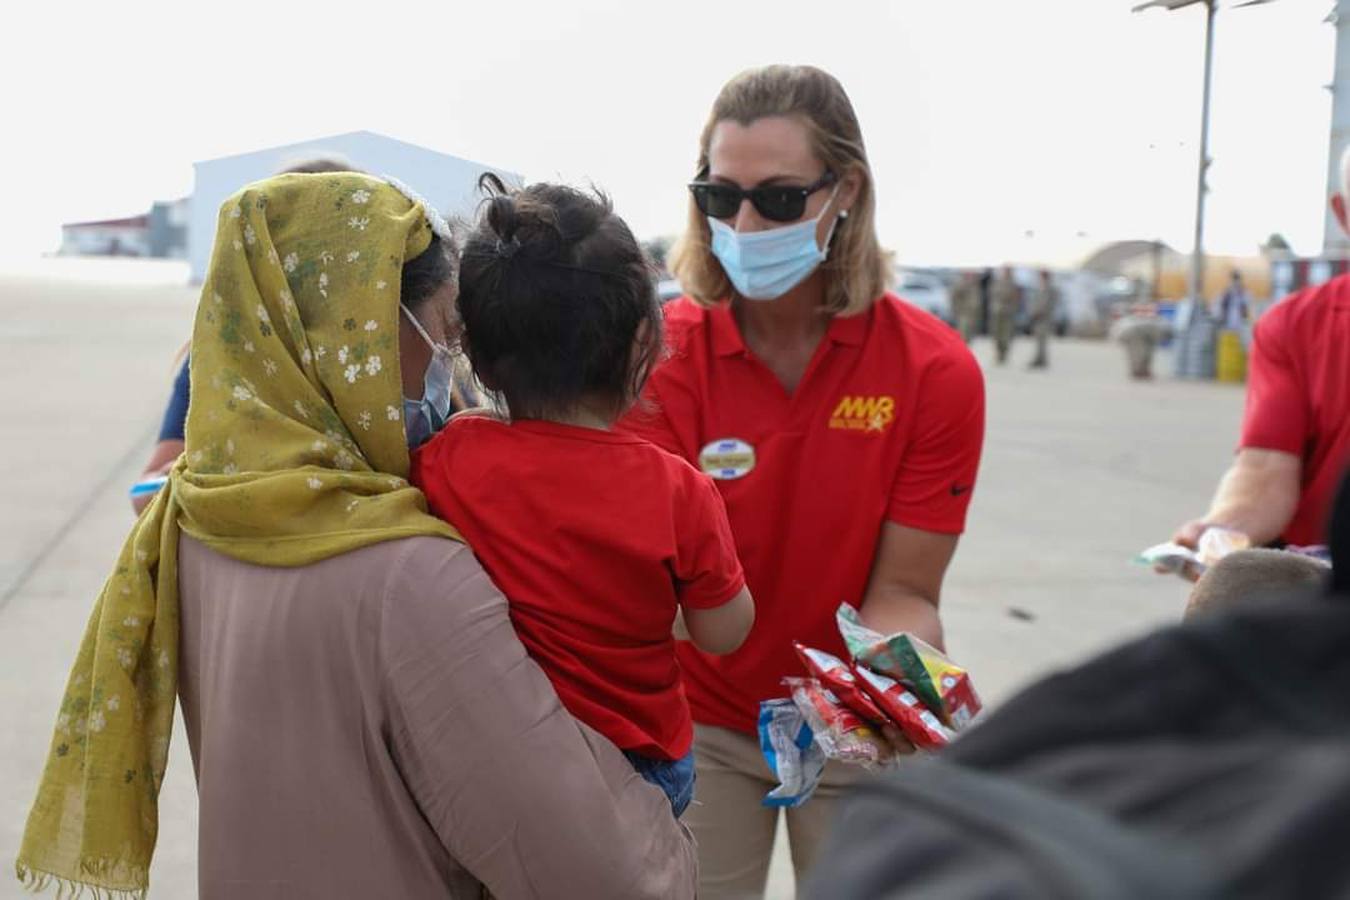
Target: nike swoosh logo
{"x": 959, "y": 489}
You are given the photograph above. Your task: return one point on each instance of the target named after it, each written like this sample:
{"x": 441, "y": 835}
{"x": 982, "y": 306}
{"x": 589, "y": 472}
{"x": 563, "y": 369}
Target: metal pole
{"x": 1198, "y": 255}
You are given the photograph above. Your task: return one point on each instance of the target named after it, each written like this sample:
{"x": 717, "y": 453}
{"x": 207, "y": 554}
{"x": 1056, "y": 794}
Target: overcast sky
{"x": 986, "y": 120}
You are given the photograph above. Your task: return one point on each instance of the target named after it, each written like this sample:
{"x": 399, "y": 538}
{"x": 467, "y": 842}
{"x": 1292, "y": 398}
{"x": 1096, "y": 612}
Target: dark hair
{"x": 553, "y": 292}
{"x": 427, "y": 272}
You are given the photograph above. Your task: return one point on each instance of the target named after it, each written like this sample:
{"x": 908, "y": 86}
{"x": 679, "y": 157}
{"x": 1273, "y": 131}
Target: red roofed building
{"x": 107, "y": 237}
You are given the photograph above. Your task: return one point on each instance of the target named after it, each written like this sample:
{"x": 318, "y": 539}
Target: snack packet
{"x": 1215, "y": 543}
{"x": 1171, "y": 558}
{"x": 918, "y": 724}
{"x": 790, "y": 749}
{"x": 835, "y": 674}
{"x": 943, "y": 686}
{"x": 839, "y": 731}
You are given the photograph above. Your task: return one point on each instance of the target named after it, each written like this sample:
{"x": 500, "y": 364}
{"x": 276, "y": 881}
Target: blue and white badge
{"x": 727, "y": 459}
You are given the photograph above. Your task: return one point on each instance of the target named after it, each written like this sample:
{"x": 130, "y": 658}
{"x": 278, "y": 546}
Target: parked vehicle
{"x": 667, "y": 289}
{"x": 926, "y": 291}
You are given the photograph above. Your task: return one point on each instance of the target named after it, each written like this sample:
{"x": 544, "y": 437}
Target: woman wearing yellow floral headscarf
{"x": 362, "y": 719}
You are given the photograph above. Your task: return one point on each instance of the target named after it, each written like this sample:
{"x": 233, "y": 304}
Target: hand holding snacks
{"x": 894, "y": 682}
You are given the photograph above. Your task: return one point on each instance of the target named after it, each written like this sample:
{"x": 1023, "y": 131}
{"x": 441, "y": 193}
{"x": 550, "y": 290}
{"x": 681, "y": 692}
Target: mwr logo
{"x": 869, "y": 414}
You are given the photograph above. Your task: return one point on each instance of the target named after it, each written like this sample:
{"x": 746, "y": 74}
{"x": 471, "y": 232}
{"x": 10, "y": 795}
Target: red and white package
{"x": 923, "y": 729}
{"x": 839, "y": 732}
{"x": 838, "y": 676}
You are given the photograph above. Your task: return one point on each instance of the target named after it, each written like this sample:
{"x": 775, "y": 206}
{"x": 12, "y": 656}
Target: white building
{"x": 447, "y": 182}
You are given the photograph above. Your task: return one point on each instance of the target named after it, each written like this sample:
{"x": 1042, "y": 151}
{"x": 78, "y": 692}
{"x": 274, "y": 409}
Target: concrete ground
{"x": 1082, "y": 469}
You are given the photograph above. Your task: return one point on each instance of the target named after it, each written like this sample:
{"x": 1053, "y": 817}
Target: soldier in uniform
{"x": 966, "y": 305}
{"x": 1004, "y": 299}
{"x": 1042, "y": 310}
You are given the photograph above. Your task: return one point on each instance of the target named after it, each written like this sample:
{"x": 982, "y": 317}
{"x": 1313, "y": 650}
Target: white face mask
{"x": 428, "y": 414}
{"x": 765, "y": 265}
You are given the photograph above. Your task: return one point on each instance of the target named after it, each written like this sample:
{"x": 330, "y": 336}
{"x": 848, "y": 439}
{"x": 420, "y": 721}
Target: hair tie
{"x": 507, "y": 249}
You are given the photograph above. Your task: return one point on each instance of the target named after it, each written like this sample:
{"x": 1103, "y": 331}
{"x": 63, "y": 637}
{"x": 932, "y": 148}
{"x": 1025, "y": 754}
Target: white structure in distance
{"x": 446, "y": 182}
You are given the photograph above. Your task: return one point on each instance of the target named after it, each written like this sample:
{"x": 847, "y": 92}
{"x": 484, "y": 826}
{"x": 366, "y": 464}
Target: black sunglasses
{"x": 784, "y": 203}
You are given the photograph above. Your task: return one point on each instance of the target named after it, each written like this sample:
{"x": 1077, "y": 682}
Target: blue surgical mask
{"x": 427, "y": 415}
{"x": 765, "y": 265}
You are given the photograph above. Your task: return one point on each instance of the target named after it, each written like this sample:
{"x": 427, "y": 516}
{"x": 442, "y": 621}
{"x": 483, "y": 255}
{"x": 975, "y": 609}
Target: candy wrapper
{"x": 942, "y": 685}
{"x": 918, "y": 724}
{"x": 837, "y": 675}
{"x": 1214, "y": 544}
{"x": 790, "y": 749}
{"x": 1171, "y": 558}
{"x": 839, "y": 731}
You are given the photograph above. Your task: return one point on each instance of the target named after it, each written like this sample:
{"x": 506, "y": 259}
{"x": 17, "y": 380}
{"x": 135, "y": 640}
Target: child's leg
{"x": 675, "y": 777}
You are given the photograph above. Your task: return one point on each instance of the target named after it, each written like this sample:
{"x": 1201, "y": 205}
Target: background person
{"x": 842, "y": 426}
{"x": 966, "y": 305}
{"x": 1044, "y": 301}
{"x": 1253, "y": 576}
{"x": 362, "y": 719}
{"x": 1233, "y": 308}
{"x": 1140, "y": 332}
{"x": 1295, "y": 438}
{"x": 1005, "y": 299}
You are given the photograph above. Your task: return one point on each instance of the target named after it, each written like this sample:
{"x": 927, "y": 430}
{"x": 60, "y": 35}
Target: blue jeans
{"x": 674, "y": 776}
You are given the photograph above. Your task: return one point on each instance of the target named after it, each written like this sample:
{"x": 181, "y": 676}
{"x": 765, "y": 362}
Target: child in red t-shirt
{"x": 597, "y": 538}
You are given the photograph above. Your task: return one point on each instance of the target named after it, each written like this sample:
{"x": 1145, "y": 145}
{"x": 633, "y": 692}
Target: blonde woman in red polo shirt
{"x": 843, "y": 429}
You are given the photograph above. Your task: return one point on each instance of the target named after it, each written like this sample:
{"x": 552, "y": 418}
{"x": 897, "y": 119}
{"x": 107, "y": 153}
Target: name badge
{"x": 727, "y": 459}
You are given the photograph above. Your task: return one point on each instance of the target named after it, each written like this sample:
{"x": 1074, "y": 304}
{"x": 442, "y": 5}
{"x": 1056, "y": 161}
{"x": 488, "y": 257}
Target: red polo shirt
{"x": 886, "y": 425}
{"x": 1298, "y": 396}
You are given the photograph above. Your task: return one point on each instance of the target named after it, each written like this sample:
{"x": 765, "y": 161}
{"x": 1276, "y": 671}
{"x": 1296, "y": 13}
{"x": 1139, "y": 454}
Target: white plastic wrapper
{"x": 1214, "y": 545}
{"x": 789, "y": 747}
{"x": 1171, "y": 557}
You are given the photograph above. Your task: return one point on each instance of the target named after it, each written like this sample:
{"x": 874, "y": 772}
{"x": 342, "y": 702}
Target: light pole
{"x": 1186, "y": 351}
{"x": 1197, "y": 276}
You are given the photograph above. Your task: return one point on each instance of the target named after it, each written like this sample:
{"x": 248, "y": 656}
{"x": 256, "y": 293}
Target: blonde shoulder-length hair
{"x": 857, "y": 271}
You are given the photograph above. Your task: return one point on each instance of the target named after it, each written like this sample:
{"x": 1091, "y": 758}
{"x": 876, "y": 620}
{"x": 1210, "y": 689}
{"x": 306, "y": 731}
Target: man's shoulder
{"x": 1311, "y": 307}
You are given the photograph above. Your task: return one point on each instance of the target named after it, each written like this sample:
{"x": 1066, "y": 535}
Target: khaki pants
{"x": 735, "y": 831}
{"x": 967, "y": 324}
{"x": 1003, "y": 327}
{"x": 1139, "y": 354}
{"x": 1041, "y": 331}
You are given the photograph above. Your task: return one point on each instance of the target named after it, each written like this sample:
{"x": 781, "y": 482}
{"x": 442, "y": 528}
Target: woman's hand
{"x": 896, "y": 738}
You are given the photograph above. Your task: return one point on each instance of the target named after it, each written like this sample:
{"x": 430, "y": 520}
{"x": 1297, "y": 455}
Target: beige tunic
{"x": 370, "y": 726}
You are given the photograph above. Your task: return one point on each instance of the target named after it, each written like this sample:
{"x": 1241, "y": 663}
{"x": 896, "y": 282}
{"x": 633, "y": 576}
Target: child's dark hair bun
{"x": 554, "y": 292}
{"x": 519, "y": 224}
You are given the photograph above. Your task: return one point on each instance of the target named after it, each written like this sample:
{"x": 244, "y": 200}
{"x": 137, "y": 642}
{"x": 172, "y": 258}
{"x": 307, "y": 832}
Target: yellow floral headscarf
{"x": 295, "y": 453}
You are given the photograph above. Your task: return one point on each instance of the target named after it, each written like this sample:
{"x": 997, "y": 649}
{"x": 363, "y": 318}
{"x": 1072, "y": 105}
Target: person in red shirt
{"x": 596, "y": 538}
{"x": 1295, "y": 442}
{"x": 843, "y": 428}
